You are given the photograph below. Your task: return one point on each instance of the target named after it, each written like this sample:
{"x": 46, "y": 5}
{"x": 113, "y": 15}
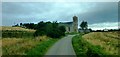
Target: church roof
{"x": 66, "y": 22}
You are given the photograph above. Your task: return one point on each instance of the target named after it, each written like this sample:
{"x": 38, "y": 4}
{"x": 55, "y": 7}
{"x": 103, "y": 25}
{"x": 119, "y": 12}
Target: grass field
{"x": 108, "y": 41}
{"x": 96, "y": 44}
{"x": 16, "y": 32}
{"x": 15, "y": 28}
{"x": 25, "y": 45}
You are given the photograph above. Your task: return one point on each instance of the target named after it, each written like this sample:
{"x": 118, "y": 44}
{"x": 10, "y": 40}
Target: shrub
{"x": 50, "y": 29}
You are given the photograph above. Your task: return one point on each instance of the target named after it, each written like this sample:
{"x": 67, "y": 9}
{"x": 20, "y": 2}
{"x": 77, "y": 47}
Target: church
{"x": 70, "y": 26}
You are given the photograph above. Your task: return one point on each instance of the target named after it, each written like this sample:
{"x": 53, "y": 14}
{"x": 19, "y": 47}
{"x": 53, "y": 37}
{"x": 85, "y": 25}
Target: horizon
{"x": 67, "y": 21}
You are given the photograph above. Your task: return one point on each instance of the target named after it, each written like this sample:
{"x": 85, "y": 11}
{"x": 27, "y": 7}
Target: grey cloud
{"x": 93, "y": 12}
{"x": 102, "y": 12}
{"x": 25, "y": 8}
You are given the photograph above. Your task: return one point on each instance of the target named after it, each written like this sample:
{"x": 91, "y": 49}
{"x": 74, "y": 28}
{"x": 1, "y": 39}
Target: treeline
{"x": 51, "y": 29}
{"x": 29, "y": 25}
{"x": 26, "y": 25}
{"x": 109, "y": 30}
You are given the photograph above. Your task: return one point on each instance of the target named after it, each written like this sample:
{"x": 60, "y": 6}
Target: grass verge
{"x": 42, "y": 48}
{"x": 86, "y": 49}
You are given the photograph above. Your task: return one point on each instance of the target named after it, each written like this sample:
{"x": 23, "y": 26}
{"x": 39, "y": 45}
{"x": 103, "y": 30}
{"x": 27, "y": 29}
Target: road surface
{"x": 62, "y": 47}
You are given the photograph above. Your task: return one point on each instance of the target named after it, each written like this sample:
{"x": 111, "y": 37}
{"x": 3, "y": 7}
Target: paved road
{"x": 62, "y": 47}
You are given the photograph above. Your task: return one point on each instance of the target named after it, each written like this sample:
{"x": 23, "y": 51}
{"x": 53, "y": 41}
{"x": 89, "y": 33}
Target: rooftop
{"x": 66, "y": 22}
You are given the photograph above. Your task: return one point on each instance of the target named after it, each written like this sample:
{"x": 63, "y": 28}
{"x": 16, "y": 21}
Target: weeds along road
{"x": 62, "y": 47}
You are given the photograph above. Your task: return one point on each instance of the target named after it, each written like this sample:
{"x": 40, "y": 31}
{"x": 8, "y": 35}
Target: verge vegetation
{"x": 26, "y": 46}
{"x": 21, "y": 41}
{"x": 16, "y": 32}
{"x": 98, "y": 44}
{"x": 52, "y": 30}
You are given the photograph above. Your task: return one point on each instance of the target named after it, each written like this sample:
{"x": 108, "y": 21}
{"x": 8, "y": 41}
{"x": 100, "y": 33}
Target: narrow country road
{"x": 62, "y": 47}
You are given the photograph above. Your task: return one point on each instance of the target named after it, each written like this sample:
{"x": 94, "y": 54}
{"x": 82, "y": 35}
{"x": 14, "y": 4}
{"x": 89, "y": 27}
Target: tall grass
{"x": 16, "y": 32}
{"x": 84, "y": 49}
{"x": 20, "y": 41}
{"x": 26, "y": 46}
{"x": 109, "y": 45}
{"x": 96, "y": 44}
{"x": 15, "y": 28}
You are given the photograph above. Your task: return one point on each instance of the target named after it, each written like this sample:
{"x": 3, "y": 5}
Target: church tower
{"x": 75, "y": 24}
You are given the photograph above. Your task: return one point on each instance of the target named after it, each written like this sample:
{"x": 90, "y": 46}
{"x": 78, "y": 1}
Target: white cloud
{"x": 107, "y": 25}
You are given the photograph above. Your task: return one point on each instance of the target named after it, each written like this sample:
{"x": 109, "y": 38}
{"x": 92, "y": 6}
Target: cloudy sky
{"x": 99, "y": 15}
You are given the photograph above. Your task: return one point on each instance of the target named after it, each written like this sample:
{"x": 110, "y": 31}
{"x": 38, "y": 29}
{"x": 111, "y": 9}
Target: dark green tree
{"x": 40, "y": 29}
{"x": 62, "y": 30}
{"x": 50, "y": 29}
{"x": 40, "y": 25}
{"x": 84, "y": 25}
{"x": 28, "y": 25}
{"x": 20, "y": 24}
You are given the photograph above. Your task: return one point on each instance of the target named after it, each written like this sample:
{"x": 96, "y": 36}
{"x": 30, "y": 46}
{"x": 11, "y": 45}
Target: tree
{"x": 49, "y": 29}
{"x": 62, "y": 30}
{"x": 40, "y": 25}
{"x": 84, "y": 25}
{"x": 20, "y": 24}
{"x": 29, "y": 25}
{"x": 40, "y": 29}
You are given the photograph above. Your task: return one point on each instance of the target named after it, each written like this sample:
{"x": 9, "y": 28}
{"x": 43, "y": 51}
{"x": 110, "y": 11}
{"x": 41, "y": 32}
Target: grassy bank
{"x": 20, "y": 41}
{"x": 17, "y": 32}
{"x": 26, "y": 46}
{"x": 41, "y": 49}
{"x": 83, "y": 48}
{"x": 98, "y": 44}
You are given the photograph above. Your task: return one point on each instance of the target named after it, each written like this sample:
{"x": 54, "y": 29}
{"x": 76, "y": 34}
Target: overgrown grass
{"x": 20, "y": 41}
{"x": 83, "y": 47}
{"x": 17, "y": 46}
{"x": 15, "y": 28}
{"x": 108, "y": 44}
{"x": 16, "y": 32}
{"x": 26, "y": 46}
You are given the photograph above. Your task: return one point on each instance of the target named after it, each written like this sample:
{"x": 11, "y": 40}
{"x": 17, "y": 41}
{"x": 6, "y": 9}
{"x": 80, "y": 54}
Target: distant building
{"x": 81, "y": 30}
{"x": 70, "y": 26}
{"x": 86, "y": 30}
{"x": 105, "y": 29}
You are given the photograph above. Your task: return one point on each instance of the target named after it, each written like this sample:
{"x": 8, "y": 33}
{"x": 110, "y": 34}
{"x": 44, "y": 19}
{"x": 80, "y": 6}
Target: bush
{"x": 50, "y": 29}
